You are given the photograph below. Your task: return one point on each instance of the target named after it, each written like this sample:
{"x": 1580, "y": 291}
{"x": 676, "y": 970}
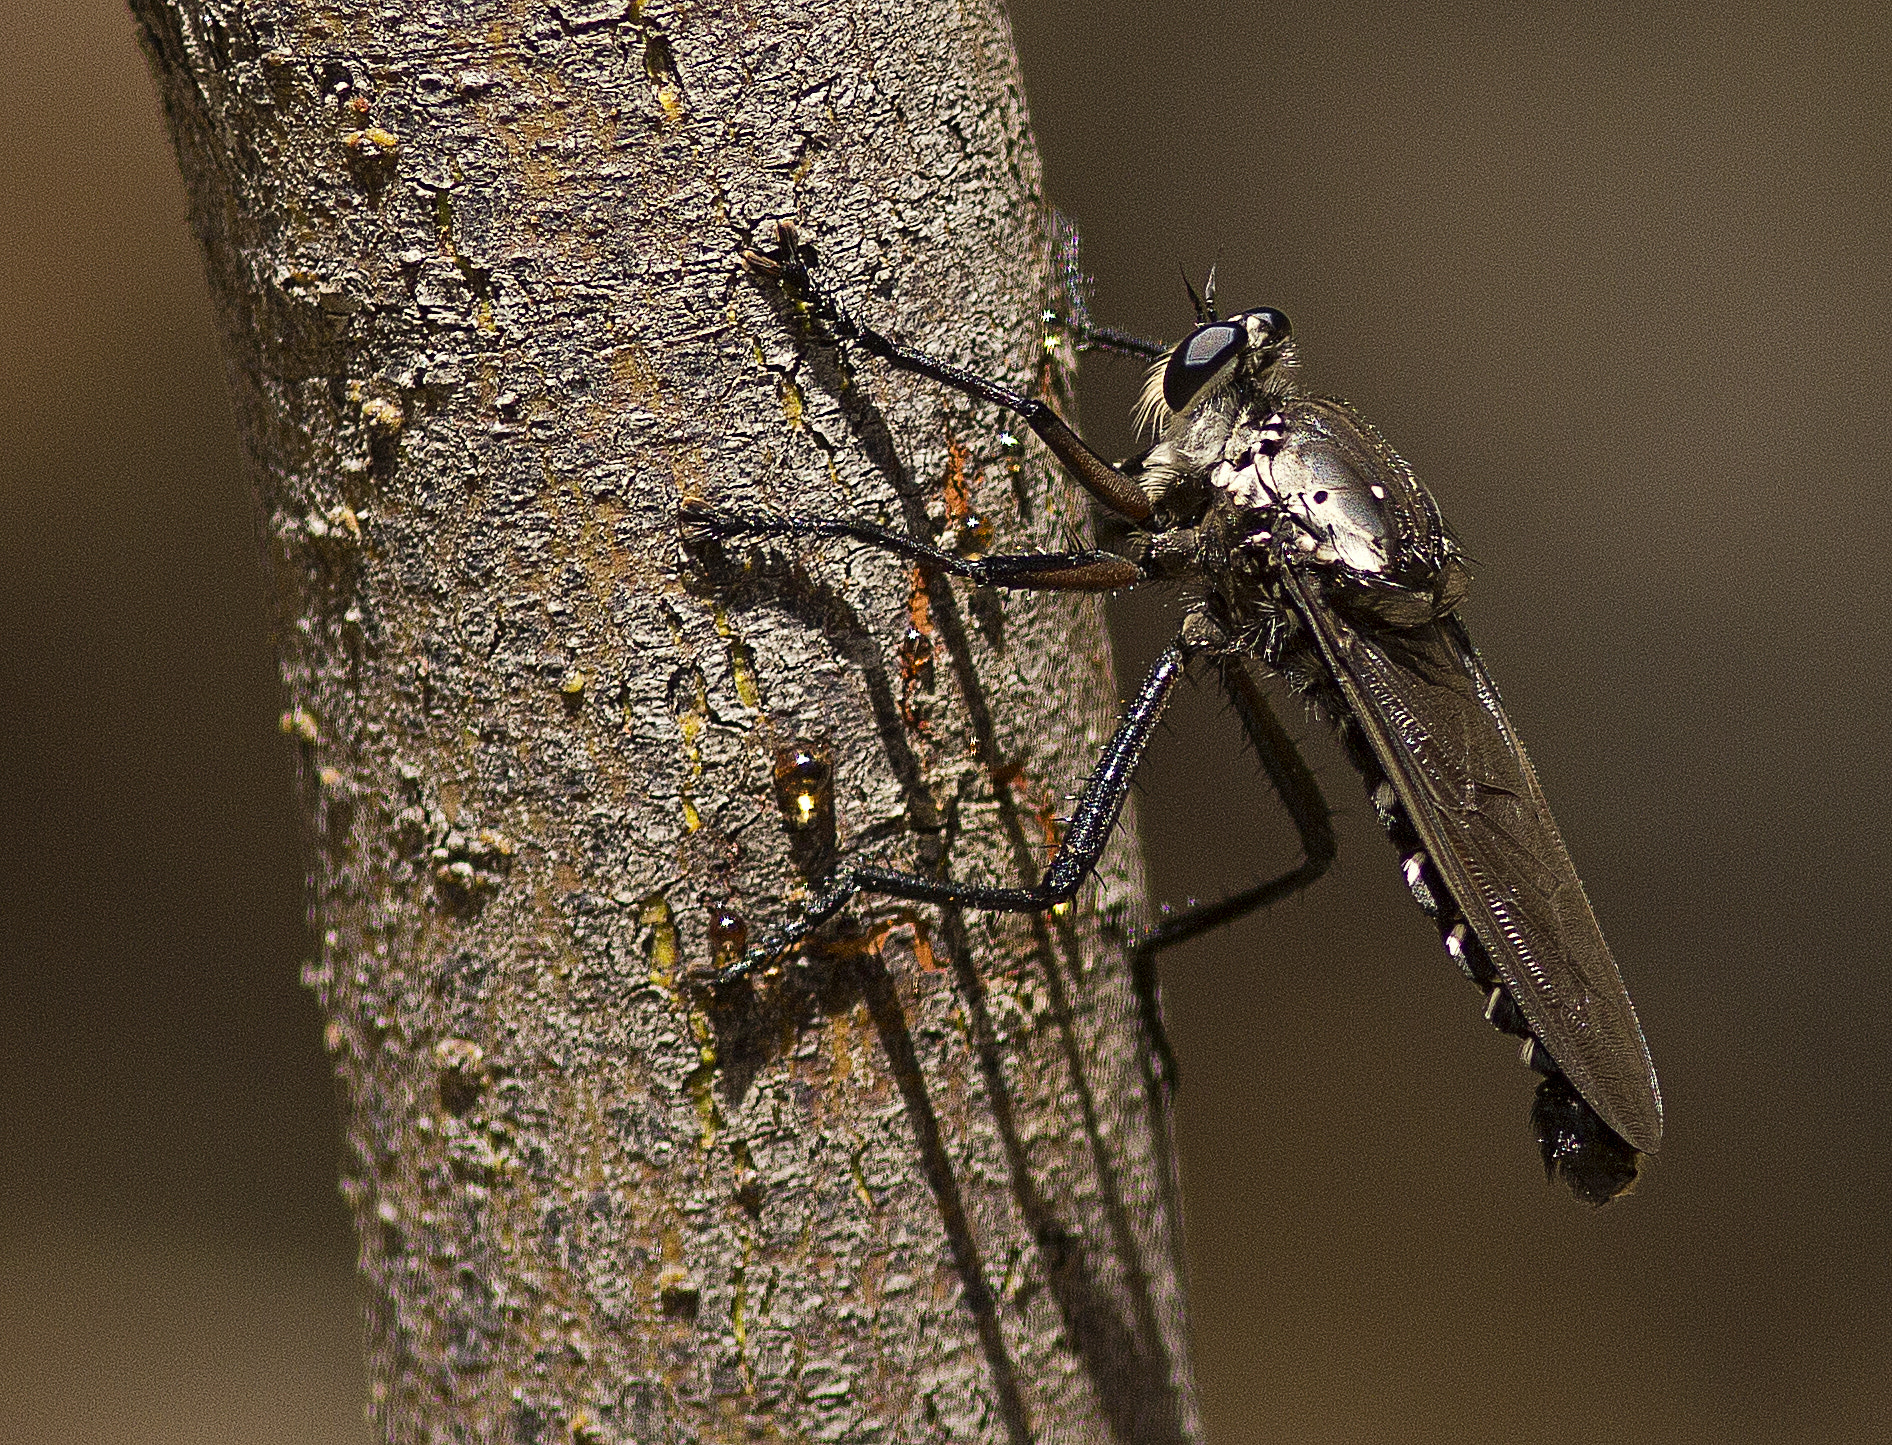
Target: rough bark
{"x": 474, "y": 270}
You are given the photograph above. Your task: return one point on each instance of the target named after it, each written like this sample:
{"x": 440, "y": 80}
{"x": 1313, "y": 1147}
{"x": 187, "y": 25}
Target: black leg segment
{"x": 790, "y": 263}
{"x": 1057, "y": 571}
{"x": 1299, "y": 792}
{"x": 1089, "y": 336}
{"x": 1294, "y": 783}
{"x": 1084, "y": 841}
{"x": 1086, "y": 334}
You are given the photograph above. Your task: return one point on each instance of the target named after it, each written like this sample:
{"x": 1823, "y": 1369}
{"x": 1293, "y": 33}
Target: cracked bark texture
{"x": 474, "y": 265}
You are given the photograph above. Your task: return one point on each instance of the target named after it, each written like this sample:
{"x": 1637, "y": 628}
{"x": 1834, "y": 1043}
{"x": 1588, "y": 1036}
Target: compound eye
{"x": 1208, "y": 351}
{"x": 1271, "y": 326}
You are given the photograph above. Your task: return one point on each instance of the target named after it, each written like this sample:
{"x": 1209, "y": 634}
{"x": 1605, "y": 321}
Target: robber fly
{"x": 1309, "y": 550}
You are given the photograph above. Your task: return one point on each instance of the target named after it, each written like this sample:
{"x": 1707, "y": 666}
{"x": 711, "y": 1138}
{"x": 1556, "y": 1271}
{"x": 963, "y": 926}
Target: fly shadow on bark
{"x": 1125, "y": 1355}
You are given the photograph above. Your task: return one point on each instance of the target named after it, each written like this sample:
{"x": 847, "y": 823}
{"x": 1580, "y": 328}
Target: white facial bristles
{"x": 1152, "y": 414}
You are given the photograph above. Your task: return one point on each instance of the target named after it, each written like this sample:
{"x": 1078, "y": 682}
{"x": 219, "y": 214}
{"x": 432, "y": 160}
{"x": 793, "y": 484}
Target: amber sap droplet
{"x": 728, "y": 937}
{"x": 804, "y": 785}
{"x": 916, "y": 652}
{"x": 975, "y": 535}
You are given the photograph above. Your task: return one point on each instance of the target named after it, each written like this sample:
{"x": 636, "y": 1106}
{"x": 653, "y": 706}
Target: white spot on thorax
{"x": 1243, "y": 483}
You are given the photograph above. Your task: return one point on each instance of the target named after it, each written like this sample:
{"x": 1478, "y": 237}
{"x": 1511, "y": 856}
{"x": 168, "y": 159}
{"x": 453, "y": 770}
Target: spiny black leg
{"x": 1084, "y": 841}
{"x": 1295, "y": 785}
{"x": 1058, "y": 571}
{"x": 789, "y": 263}
{"x": 1086, "y": 334}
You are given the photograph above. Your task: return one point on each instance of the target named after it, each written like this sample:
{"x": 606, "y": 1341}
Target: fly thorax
{"x": 1240, "y": 483}
{"x": 1341, "y": 510}
{"x": 1239, "y": 475}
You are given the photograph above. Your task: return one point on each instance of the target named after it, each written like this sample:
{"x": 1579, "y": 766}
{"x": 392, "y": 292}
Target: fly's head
{"x": 1248, "y": 355}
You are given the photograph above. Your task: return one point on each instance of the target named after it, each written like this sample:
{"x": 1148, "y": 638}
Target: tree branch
{"x": 475, "y": 265}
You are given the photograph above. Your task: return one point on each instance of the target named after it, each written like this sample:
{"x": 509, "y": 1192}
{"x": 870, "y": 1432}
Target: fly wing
{"x": 1434, "y": 720}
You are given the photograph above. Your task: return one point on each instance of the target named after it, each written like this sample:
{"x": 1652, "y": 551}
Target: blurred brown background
{"x": 1614, "y": 279}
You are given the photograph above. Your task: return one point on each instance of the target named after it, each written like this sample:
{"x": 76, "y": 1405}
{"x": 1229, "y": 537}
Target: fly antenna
{"x": 1208, "y": 289}
{"x": 1203, "y": 314}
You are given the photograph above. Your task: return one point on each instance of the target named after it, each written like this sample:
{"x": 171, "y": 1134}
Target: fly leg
{"x": 1086, "y": 334}
{"x": 1295, "y": 785}
{"x": 1084, "y": 841}
{"x": 1055, "y": 571}
{"x": 790, "y": 261}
